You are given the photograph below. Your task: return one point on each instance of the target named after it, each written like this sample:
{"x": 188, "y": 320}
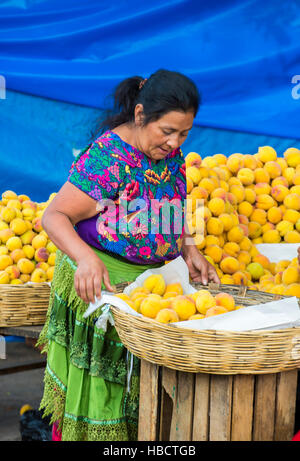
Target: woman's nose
{"x": 173, "y": 141}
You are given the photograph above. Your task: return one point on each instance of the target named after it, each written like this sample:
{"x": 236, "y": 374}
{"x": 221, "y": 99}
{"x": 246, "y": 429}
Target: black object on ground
{"x": 33, "y": 427}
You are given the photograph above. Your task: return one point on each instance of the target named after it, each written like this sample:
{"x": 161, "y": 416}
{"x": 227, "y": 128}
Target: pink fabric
{"x": 56, "y": 433}
{"x": 296, "y": 437}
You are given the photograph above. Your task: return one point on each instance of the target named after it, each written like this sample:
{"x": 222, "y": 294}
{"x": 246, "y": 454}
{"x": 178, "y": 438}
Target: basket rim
{"x": 169, "y": 326}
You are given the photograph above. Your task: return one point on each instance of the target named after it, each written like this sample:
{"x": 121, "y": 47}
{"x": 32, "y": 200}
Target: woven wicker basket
{"x": 211, "y": 351}
{"x": 23, "y": 304}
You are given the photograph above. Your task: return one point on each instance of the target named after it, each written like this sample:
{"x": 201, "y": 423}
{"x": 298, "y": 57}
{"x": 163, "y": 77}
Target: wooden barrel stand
{"x": 181, "y": 406}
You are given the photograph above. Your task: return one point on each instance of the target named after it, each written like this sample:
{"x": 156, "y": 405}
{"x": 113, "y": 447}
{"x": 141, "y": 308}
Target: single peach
{"x": 167, "y": 315}
{"x": 217, "y": 310}
{"x": 225, "y": 300}
{"x": 25, "y": 266}
{"x": 184, "y": 306}
{"x": 229, "y": 265}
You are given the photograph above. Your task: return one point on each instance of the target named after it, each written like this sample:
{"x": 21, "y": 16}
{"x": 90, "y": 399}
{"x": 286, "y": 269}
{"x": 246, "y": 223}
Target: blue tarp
{"x": 242, "y": 54}
{"x": 59, "y": 60}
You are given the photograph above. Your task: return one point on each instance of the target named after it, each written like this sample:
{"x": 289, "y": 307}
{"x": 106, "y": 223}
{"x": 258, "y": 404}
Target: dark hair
{"x": 162, "y": 92}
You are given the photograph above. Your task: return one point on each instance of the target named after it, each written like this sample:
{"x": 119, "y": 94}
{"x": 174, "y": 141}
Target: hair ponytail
{"x": 124, "y": 102}
{"x": 163, "y": 92}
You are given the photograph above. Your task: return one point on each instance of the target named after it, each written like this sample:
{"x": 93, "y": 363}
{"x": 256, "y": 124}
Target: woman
{"x": 136, "y": 166}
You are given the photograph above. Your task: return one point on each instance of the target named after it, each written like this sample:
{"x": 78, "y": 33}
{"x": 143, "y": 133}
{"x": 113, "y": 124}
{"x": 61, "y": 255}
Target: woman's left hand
{"x": 199, "y": 268}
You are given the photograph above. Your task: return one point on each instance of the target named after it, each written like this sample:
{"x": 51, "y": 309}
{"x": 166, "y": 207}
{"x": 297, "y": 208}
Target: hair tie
{"x": 142, "y": 83}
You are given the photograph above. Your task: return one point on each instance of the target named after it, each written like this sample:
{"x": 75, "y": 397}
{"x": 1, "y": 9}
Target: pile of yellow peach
{"x": 26, "y": 252}
{"x": 239, "y": 201}
{"x": 166, "y": 303}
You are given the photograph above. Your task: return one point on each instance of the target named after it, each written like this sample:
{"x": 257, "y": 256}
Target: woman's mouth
{"x": 163, "y": 151}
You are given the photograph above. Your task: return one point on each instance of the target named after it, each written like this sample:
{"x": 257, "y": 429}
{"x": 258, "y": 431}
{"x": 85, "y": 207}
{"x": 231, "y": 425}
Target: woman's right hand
{"x": 88, "y": 278}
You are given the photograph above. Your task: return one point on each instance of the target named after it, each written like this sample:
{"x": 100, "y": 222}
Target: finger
{"x": 204, "y": 273}
{"x": 213, "y": 276}
{"x": 97, "y": 287}
{"x": 82, "y": 290}
{"x": 106, "y": 280}
{"x": 90, "y": 290}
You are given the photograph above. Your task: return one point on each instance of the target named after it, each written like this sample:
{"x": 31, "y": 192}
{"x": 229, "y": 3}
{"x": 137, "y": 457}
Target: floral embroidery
{"x": 112, "y": 169}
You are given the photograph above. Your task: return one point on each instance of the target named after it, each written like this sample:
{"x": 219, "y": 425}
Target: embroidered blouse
{"x": 140, "y": 202}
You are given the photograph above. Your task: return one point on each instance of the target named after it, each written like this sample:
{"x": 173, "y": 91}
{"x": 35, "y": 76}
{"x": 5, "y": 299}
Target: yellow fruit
{"x": 155, "y": 284}
{"x": 38, "y": 276}
{"x": 167, "y": 316}
{"x": 291, "y": 275}
{"x": 193, "y": 173}
{"x": 216, "y": 206}
{"x": 274, "y": 215}
{"x": 245, "y": 208}
{"x": 196, "y": 317}
{"x": 291, "y": 215}
{"x": 50, "y": 273}
{"x": 292, "y": 201}
{"x": 5, "y": 261}
{"x": 279, "y": 192}
{"x": 225, "y": 300}
{"x": 235, "y": 234}
{"x": 273, "y": 168}
{"x": 8, "y": 195}
{"x": 150, "y": 306}
{"x": 217, "y": 310}
{"x": 256, "y": 270}
{"x": 229, "y": 265}
{"x": 204, "y": 301}
{"x": 25, "y": 266}
{"x": 8, "y": 214}
{"x": 271, "y": 236}
{"x": 16, "y": 282}
{"x": 284, "y": 227}
{"x": 261, "y": 176}
{"x": 292, "y": 157}
{"x": 42, "y": 255}
{"x": 266, "y": 154}
{"x": 292, "y": 237}
{"x": 18, "y": 226}
{"x": 292, "y": 290}
{"x": 51, "y": 258}
{"x": 215, "y": 252}
{"x": 214, "y": 226}
{"x": 12, "y": 271}
{"x": 193, "y": 159}
{"x": 246, "y": 176}
{"x": 27, "y": 237}
{"x": 174, "y": 288}
{"x": 28, "y": 251}
{"x": 255, "y": 229}
{"x": 17, "y": 254}
{"x": 4, "y": 278}
{"x": 39, "y": 241}
{"x": 3, "y": 250}
{"x": 235, "y": 162}
{"x": 14, "y": 243}
{"x": 184, "y": 306}
{"x": 231, "y": 249}
{"x": 259, "y": 216}
{"x": 264, "y": 202}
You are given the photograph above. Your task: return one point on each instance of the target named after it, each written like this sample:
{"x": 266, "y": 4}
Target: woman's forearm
{"x": 62, "y": 233}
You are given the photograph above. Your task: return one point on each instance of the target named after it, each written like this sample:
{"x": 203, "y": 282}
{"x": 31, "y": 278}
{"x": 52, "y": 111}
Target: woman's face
{"x": 157, "y": 139}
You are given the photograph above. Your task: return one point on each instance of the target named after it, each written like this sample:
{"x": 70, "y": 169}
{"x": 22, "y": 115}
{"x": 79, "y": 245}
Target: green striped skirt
{"x": 86, "y": 386}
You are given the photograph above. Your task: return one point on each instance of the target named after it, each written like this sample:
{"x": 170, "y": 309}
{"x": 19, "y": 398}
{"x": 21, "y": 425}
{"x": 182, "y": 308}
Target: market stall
{"x": 244, "y": 213}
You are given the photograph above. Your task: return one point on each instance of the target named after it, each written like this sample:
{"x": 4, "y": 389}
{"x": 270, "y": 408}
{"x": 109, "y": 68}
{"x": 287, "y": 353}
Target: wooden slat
{"x": 182, "y": 418}
{"x": 148, "y": 408}
{"x": 242, "y": 408}
{"x": 264, "y": 407}
{"x": 285, "y": 405}
{"x": 168, "y": 399}
{"x": 201, "y": 407}
{"x": 220, "y": 407}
